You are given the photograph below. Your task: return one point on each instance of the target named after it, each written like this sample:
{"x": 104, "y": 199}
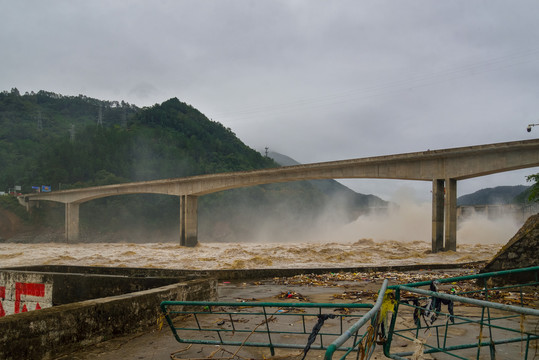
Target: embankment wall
{"x": 236, "y": 274}
{"x": 22, "y": 291}
{"x": 57, "y": 330}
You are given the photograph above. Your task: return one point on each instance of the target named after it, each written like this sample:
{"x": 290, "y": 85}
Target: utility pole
{"x": 124, "y": 117}
{"x": 100, "y": 116}
{"x": 39, "y": 122}
{"x": 267, "y": 148}
{"x": 72, "y": 133}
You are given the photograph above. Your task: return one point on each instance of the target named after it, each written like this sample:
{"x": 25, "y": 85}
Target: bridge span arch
{"x": 441, "y": 167}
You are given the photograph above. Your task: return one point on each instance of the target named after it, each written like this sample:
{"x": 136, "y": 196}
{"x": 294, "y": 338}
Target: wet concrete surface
{"x": 157, "y": 344}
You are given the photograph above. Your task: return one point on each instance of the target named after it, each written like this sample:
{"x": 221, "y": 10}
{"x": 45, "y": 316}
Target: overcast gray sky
{"x": 316, "y": 80}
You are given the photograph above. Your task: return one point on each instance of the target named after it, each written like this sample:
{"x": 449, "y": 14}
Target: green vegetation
{"x": 35, "y": 127}
{"x": 168, "y": 140}
{"x": 534, "y": 189}
{"x": 12, "y": 204}
{"x": 39, "y": 147}
{"x": 494, "y": 196}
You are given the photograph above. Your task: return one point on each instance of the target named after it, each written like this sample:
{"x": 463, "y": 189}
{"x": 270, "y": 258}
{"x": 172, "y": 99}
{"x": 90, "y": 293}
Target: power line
{"x": 100, "y": 116}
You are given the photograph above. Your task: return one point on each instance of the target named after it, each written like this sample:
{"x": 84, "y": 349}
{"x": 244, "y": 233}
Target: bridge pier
{"x": 450, "y": 210}
{"x": 437, "y": 215}
{"x": 72, "y": 221}
{"x": 444, "y": 215}
{"x": 188, "y": 220}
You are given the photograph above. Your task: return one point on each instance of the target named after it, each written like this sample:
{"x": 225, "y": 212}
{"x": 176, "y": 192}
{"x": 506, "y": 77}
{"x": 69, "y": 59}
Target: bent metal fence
{"x": 302, "y": 326}
{"x": 491, "y": 316}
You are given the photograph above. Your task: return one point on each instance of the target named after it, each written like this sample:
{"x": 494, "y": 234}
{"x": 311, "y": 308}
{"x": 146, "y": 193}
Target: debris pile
{"x": 357, "y": 296}
{"x": 344, "y": 279}
{"x": 292, "y": 295}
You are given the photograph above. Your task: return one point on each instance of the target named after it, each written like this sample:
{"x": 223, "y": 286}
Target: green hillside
{"x": 77, "y": 141}
{"x": 496, "y": 196}
{"x": 168, "y": 140}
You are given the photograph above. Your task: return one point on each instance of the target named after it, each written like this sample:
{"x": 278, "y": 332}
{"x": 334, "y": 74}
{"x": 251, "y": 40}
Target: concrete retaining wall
{"x": 58, "y": 330}
{"x": 22, "y": 291}
{"x": 233, "y": 274}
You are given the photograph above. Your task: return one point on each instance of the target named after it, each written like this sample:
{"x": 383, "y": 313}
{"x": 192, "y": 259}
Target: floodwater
{"x": 365, "y": 252}
{"x": 400, "y": 237}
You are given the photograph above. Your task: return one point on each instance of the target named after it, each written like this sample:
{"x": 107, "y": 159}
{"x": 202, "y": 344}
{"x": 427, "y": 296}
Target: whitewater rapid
{"x": 365, "y": 252}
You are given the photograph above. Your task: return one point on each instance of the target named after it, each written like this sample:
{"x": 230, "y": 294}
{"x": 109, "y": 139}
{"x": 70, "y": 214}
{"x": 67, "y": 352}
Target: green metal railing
{"x": 404, "y": 316}
{"x": 366, "y": 343}
{"x": 475, "y": 319}
{"x": 260, "y": 324}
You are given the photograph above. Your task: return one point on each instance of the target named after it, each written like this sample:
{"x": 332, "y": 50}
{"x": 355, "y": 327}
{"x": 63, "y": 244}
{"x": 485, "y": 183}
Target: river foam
{"x": 364, "y": 252}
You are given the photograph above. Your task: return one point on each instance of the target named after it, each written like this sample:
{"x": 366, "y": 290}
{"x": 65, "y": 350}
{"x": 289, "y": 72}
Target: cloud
{"x": 315, "y": 80}
{"x": 143, "y": 90}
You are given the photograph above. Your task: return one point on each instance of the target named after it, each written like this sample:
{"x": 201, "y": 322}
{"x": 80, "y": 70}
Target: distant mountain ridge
{"x": 332, "y": 188}
{"x": 498, "y": 195}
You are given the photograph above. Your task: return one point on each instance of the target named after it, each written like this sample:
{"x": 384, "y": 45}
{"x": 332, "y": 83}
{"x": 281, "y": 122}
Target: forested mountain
{"x": 77, "y": 141}
{"x": 111, "y": 139}
{"x": 496, "y": 196}
{"x": 33, "y": 126}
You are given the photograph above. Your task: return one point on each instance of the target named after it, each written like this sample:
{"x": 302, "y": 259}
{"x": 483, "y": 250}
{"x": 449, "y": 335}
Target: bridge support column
{"x": 437, "y": 215}
{"x": 188, "y": 220}
{"x": 450, "y": 215}
{"x": 72, "y": 222}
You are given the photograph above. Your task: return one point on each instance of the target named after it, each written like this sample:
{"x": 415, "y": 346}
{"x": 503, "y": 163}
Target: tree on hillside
{"x": 534, "y": 190}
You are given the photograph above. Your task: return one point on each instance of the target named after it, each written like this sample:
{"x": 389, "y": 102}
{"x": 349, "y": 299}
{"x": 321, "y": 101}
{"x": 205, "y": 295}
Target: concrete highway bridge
{"x": 442, "y": 167}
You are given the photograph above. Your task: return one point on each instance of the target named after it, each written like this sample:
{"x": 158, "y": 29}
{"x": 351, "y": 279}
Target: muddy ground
{"x": 158, "y": 344}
